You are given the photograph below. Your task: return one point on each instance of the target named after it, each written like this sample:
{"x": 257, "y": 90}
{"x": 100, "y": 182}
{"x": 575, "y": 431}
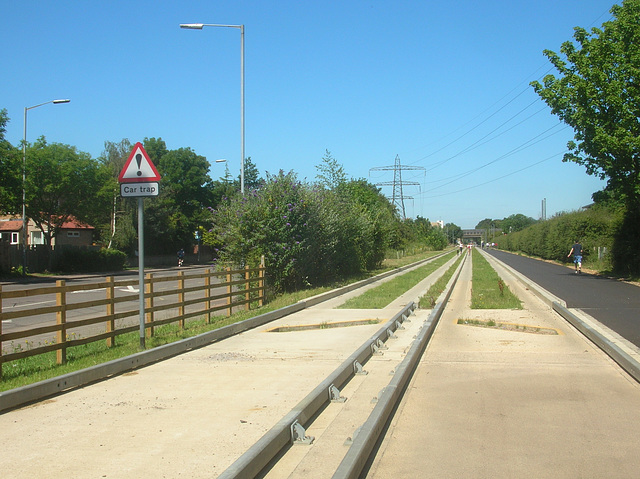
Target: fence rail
{"x": 242, "y": 288}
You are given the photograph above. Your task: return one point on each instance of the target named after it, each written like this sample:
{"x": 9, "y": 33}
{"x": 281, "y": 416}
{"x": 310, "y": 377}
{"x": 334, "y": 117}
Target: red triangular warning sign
{"x": 138, "y": 168}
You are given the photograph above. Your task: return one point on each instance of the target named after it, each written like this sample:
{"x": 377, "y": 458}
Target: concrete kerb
{"x": 626, "y": 361}
{"x": 50, "y": 387}
{"x": 358, "y": 454}
{"x": 258, "y": 456}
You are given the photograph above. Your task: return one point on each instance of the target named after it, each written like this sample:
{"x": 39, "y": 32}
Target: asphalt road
{"x": 614, "y": 303}
{"x": 130, "y": 292}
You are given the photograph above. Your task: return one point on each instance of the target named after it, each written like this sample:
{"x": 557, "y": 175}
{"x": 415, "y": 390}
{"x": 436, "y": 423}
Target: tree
{"x": 331, "y": 174}
{"x": 185, "y": 192}
{"x": 61, "y": 183}
{"x": 252, "y": 179}
{"x": 597, "y": 93}
{"x": 453, "y": 232}
{"x": 122, "y": 219}
{"x": 516, "y": 222}
{"x": 485, "y": 224}
{"x": 10, "y": 171}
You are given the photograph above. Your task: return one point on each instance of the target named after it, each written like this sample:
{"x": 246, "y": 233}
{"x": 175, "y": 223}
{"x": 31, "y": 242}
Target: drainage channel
{"x": 354, "y": 403}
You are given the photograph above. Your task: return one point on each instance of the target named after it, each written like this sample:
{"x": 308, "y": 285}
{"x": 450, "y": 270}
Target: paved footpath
{"x": 489, "y": 403}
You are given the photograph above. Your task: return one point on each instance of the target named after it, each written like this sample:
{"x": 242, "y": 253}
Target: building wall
{"x": 79, "y": 237}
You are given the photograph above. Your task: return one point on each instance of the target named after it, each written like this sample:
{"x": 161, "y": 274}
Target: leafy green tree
{"x": 437, "y": 239}
{"x": 10, "y": 171}
{"x": 597, "y": 93}
{"x": 453, "y": 232}
{"x": 61, "y": 182}
{"x": 331, "y": 174}
{"x": 252, "y": 179}
{"x": 181, "y": 207}
{"x": 516, "y": 222}
{"x": 119, "y": 231}
{"x": 485, "y": 224}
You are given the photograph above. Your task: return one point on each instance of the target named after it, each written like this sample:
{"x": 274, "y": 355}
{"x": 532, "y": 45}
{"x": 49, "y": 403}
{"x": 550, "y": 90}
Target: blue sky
{"x": 441, "y": 85}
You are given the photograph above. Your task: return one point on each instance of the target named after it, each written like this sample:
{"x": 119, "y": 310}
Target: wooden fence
{"x": 241, "y": 288}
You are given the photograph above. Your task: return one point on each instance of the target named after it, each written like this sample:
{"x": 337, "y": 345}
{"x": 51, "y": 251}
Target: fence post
{"x": 111, "y": 310}
{"x": 229, "y": 291}
{"x": 61, "y": 320}
{"x": 148, "y": 287}
{"x": 247, "y": 286}
{"x": 261, "y": 282}
{"x": 207, "y": 293}
{"x": 181, "y": 299}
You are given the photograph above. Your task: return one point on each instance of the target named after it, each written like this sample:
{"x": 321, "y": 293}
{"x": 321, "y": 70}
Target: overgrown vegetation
{"x": 85, "y": 260}
{"x": 595, "y": 227}
{"x": 488, "y": 289}
{"x": 309, "y": 234}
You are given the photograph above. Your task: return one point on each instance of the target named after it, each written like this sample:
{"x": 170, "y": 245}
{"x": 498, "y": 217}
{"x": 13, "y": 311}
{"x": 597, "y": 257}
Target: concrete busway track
{"x": 197, "y": 413}
{"x": 502, "y": 403}
{"x": 36, "y": 392}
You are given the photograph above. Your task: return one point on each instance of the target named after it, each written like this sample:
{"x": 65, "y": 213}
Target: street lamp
{"x": 199, "y": 26}
{"x": 24, "y": 178}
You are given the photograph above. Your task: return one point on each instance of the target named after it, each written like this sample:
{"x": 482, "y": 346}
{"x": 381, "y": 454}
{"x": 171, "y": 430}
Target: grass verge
{"x": 489, "y": 291}
{"x": 382, "y": 295}
{"x": 428, "y": 301}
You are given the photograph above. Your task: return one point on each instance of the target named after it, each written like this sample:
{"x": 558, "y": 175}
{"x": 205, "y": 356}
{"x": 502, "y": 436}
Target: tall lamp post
{"x": 199, "y": 26}
{"x": 24, "y": 179}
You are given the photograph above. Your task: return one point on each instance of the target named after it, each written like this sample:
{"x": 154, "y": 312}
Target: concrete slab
{"x": 190, "y": 416}
{"x": 489, "y": 403}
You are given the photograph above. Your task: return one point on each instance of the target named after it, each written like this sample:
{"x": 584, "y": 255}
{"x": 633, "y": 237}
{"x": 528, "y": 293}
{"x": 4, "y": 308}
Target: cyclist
{"x": 180, "y": 257}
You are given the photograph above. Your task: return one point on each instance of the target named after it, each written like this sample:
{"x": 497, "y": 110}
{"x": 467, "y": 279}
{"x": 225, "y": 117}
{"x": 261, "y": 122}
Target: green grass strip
{"x": 489, "y": 291}
{"x": 382, "y": 295}
{"x": 428, "y": 301}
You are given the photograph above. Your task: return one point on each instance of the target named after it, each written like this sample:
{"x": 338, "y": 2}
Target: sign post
{"x": 138, "y": 179}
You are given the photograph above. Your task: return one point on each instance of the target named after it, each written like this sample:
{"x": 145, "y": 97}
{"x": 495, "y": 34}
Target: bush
{"x": 84, "y": 260}
{"x": 552, "y": 239}
{"x": 308, "y": 235}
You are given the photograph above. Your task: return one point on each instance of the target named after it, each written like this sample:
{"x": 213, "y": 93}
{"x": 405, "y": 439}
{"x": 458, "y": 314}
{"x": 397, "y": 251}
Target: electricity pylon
{"x": 398, "y": 196}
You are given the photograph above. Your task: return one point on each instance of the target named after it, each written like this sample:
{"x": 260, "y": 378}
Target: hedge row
{"x": 595, "y": 227}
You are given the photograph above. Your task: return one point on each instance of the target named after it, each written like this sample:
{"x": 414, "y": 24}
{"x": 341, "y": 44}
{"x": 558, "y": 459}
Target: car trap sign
{"x": 130, "y": 190}
{"x": 139, "y": 176}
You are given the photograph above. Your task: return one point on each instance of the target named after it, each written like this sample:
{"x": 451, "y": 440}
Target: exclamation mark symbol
{"x": 139, "y": 161}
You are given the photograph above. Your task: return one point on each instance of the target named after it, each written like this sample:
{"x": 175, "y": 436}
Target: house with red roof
{"x": 72, "y": 232}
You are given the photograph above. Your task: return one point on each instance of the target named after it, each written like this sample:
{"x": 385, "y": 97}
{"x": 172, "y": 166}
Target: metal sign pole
{"x": 141, "y": 267}
{"x": 139, "y": 178}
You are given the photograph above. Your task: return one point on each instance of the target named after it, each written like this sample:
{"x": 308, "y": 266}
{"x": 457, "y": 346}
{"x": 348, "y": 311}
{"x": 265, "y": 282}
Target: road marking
{"x": 28, "y": 305}
{"x": 88, "y": 291}
{"x": 130, "y": 289}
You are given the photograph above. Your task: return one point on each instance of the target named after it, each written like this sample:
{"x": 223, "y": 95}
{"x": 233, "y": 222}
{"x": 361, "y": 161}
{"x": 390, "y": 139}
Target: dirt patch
{"x": 519, "y": 328}
{"x": 325, "y": 325}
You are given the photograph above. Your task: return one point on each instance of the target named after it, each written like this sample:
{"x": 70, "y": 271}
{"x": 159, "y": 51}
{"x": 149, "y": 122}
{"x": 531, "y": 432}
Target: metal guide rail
{"x": 290, "y": 430}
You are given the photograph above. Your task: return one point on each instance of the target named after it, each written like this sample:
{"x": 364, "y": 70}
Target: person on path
{"x": 576, "y": 251}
